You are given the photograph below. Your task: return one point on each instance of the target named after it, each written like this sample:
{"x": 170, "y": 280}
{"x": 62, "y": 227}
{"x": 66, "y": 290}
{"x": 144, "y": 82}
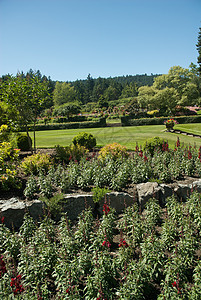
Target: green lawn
{"x": 127, "y": 136}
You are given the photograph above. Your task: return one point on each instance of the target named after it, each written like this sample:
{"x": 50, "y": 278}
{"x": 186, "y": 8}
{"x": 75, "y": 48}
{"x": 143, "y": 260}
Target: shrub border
{"x": 129, "y": 121}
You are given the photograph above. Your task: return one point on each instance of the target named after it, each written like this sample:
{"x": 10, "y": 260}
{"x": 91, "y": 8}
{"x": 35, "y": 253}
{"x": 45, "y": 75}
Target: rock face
{"x": 14, "y": 209}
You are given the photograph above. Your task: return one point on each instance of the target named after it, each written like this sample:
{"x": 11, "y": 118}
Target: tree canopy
{"x": 25, "y": 97}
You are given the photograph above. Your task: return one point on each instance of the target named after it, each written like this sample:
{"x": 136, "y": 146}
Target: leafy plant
{"x": 99, "y": 194}
{"x": 68, "y": 153}
{"x": 85, "y": 139}
{"x": 153, "y": 144}
{"x": 24, "y": 142}
{"x": 54, "y": 204}
{"x": 34, "y": 163}
{"x": 114, "y": 150}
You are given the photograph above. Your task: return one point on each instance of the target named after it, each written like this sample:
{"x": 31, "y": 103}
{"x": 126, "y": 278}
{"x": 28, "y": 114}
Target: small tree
{"x": 26, "y": 98}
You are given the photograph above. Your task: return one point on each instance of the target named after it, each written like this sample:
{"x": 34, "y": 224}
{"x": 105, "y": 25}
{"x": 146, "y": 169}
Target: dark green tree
{"x": 199, "y": 51}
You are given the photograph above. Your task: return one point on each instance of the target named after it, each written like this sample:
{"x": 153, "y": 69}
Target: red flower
{"x": 15, "y": 282}
{"x": 2, "y": 266}
{"x": 106, "y": 244}
{"x": 2, "y": 220}
{"x": 106, "y": 209}
{"x": 123, "y": 244}
{"x": 174, "y": 284}
{"x": 189, "y": 154}
{"x": 199, "y": 154}
{"x": 68, "y": 291}
{"x": 145, "y": 158}
{"x": 141, "y": 153}
{"x": 178, "y": 142}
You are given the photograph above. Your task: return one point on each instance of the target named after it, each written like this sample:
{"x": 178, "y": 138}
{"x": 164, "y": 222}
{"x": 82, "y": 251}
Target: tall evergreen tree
{"x": 199, "y": 51}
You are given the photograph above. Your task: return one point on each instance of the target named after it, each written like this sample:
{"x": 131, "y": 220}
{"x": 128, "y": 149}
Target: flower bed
{"x": 154, "y": 255}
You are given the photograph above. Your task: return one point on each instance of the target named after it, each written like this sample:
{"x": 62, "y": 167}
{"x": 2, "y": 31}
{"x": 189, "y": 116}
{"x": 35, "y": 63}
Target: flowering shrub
{"x": 8, "y": 173}
{"x": 7, "y": 152}
{"x": 36, "y": 162}
{"x": 170, "y": 124}
{"x": 72, "y": 152}
{"x": 4, "y": 133}
{"x": 155, "y": 144}
{"x": 114, "y": 150}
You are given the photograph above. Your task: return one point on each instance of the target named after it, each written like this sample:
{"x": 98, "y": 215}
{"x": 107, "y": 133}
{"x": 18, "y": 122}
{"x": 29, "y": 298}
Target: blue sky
{"x": 68, "y": 39}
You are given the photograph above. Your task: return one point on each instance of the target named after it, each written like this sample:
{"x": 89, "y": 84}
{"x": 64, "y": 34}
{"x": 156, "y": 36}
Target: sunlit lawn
{"x": 127, "y": 136}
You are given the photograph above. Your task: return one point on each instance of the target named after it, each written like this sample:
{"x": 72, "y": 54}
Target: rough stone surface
{"x": 13, "y": 209}
{"x": 196, "y": 186}
{"x": 164, "y": 192}
{"x": 182, "y": 191}
{"x": 36, "y": 209}
{"x": 75, "y": 204}
{"x": 146, "y": 191}
{"x": 118, "y": 201}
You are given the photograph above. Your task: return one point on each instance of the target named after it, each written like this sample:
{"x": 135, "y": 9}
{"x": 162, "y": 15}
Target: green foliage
{"x": 114, "y": 150}
{"x": 99, "y": 122}
{"x": 33, "y": 164}
{"x": 129, "y": 121}
{"x": 67, "y": 109}
{"x": 85, "y": 139}
{"x": 68, "y": 153}
{"x": 83, "y": 262}
{"x": 99, "y": 194}
{"x": 7, "y": 152}
{"x": 153, "y": 144}
{"x": 63, "y": 93}
{"x": 54, "y": 204}
{"x": 4, "y": 133}
{"x": 26, "y": 96}
{"x": 24, "y": 142}
{"x": 8, "y": 172}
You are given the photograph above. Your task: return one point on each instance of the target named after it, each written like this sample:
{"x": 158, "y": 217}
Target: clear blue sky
{"x": 68, "y": 39}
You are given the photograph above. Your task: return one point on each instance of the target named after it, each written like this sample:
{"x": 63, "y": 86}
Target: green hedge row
{"x": 70, "y": 119}
{"x": 90, "y": 124}
{"x": 128, "y": 121}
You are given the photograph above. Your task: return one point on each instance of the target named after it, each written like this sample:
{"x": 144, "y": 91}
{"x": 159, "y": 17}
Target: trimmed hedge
{"x": 70, "y": 119}
{"x": 128, "y": 121}
{"x": 39, "y": 127}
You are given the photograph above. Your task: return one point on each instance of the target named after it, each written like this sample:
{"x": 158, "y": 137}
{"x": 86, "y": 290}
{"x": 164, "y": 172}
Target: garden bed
{"x": 150, "y": 255}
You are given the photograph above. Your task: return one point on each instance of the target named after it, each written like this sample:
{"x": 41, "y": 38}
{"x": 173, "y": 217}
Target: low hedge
{"x": 128, "y": 121}
{"x": 70, "y": 119}
{"x": 40, "y": 127}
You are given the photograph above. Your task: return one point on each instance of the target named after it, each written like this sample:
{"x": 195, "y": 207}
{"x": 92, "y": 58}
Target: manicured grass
{"x": 127, "y": 136}
{"x": 191, "y": 128}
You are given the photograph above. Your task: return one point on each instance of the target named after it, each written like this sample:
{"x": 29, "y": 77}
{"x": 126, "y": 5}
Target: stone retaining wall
{"x": 14, "y": 209}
